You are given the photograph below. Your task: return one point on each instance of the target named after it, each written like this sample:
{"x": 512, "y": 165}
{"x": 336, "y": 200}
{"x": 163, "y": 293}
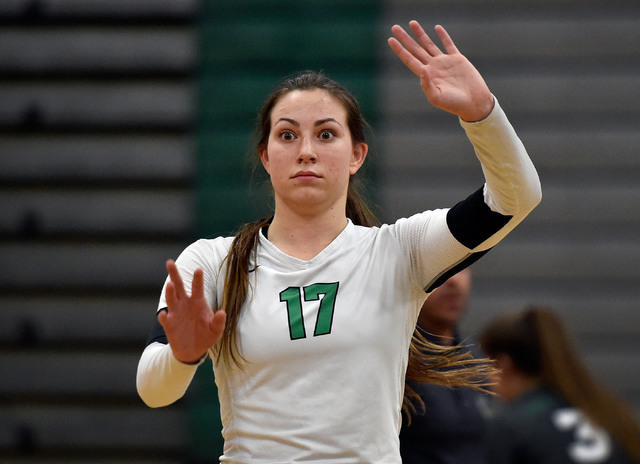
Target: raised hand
{"x": 447, "y": 78}
{"x": 190, "y": 324}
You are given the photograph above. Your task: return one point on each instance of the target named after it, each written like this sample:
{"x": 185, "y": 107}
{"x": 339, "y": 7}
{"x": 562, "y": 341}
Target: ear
{"x": 360, "y": 151}
{"x": 264, "y": 158}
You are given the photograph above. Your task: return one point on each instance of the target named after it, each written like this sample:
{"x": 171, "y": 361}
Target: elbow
{"x": 518, "y": 203}
{"x": 535, "y": 196}
{"x": 161, "y": 379}
{"x": 149, "y": 401}
{"x": 147, "y": 393}
{"x": 155, "y": 395}
{"x": 528, "y": 198}
{"x": 148, "y": 381}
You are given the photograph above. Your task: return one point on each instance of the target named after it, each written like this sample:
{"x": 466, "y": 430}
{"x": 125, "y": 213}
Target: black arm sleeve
{"x": 471, "y": 222}
{"x": 157, "y": 333}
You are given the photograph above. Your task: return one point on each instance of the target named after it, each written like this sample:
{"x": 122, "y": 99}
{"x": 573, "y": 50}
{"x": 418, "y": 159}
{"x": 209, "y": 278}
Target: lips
{"x": 305, "y": 175}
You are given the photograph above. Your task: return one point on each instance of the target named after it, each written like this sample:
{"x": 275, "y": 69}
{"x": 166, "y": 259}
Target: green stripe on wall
{"x": 246, "y": 48}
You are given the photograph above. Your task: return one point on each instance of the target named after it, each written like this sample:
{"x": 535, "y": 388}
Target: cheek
{"x": 341, "y": 165}
{"x": 276, "y": 159}
{"x": 339, "y": 174}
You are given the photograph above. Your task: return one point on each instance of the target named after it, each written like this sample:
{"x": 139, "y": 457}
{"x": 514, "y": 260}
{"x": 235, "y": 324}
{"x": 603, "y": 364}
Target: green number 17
{"x": 292, "y": 296}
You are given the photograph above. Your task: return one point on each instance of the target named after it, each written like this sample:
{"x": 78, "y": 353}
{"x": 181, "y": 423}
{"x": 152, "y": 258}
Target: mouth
{"x": 305, "y": 175}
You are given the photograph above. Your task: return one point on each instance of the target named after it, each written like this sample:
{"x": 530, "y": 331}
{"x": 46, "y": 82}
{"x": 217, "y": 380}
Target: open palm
{"x": 448, "y": 78}
{"x": 191, "y": 326}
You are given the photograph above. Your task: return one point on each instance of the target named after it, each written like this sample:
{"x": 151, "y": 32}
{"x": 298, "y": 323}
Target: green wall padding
{"x": 246, "y": 48}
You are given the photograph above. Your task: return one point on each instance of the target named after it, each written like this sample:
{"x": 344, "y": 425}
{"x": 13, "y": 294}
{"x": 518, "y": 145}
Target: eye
{"x": 326, "y": 134}
{"x": 287, "y": 136}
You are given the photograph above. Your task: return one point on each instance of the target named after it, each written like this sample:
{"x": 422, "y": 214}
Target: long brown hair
{"x": 421, "y": 366}
{"x": 540, "y": 346}
{"x": 449, "y": 366}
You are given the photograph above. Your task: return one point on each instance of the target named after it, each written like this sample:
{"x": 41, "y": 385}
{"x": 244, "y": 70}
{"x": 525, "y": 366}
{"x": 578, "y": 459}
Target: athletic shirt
{"x": 541, "y": 427}
{"x": 326, "y": 340}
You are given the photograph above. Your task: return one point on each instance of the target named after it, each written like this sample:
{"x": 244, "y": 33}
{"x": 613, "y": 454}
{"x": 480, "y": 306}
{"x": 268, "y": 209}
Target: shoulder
{"x": 205, "y": 252}
{"x": 218, "y": 244}
{"x": 407, "y": 232}
{"x": 430, "y": 222}
{"x": 421, "y": 218}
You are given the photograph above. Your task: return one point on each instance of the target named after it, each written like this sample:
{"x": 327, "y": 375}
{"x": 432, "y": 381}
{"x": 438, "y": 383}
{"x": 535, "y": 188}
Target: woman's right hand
{"x": 191, "y": 326}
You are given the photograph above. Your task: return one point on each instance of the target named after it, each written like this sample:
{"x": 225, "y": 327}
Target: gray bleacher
{"x": 566, "y": 73}
{"x": 96, "y": 168}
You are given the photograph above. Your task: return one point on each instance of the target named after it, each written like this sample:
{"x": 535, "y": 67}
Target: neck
{"x": 519, "y": 385}
{"x": 305, "y": 237}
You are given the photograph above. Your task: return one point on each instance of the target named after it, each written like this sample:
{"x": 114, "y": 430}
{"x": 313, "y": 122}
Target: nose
{"x": 307, "y": 153}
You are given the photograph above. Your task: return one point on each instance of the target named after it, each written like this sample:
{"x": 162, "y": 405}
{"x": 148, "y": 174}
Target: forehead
{"x": 315, "y": 103}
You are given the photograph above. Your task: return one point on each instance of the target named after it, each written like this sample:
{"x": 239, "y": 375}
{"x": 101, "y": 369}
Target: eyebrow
{"x": 317, "y": 123}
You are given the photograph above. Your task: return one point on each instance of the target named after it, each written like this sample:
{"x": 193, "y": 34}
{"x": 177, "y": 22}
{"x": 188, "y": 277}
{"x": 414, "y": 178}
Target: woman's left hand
{"x": 448, "y": 78}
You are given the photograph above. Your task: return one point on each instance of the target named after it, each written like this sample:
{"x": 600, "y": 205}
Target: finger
{"x": 162, "y": 318}
{"x": 174, "y": 275}
{"x": 410, "y": 44}
{"x": 407, "y": 58}
{"x": 447, "y": 41}
{"x": 217, "y": 323}
{"x": 170, "y": 296}
{"x": 197, "y": 285}
{"x": 424, "y": 39}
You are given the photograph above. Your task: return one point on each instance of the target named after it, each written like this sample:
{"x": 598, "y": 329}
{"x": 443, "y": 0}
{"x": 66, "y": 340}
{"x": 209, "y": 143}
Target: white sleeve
{"x": 511, "y": 191}
{"x": 161, "y": 378}
{"x": 512, "y": 185}
{"x": 429, "y": 245}
{"x": 202, "y": 254}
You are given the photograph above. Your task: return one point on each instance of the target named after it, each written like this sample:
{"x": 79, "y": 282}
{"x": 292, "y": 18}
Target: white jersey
{"x": 325, "y": 337}
{"x": 326, "y": 340}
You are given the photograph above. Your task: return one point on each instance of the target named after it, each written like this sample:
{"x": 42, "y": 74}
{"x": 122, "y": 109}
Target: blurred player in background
{"x": 555, "y": 412}
{"x": 450, "y": 428}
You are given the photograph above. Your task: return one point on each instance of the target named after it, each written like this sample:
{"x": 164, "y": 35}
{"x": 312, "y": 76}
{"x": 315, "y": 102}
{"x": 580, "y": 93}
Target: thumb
{"x": 427, "y": 84}
{"x": 162, "y": 318}
{"x": 217, "y": 324}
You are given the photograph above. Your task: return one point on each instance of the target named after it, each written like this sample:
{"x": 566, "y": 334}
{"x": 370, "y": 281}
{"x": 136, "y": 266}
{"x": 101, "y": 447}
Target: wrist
{"x": 191, "y": 362}
{"x": 481, "y": 111}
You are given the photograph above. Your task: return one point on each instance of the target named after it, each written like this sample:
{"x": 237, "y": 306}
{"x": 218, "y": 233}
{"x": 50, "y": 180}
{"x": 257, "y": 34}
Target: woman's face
{"x": 510, "y": 381}
{"x": 310, "y": 154}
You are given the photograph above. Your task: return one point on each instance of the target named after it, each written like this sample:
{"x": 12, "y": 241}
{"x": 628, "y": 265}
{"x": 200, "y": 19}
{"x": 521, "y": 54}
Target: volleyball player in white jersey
{"x": 308, "y": 315}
